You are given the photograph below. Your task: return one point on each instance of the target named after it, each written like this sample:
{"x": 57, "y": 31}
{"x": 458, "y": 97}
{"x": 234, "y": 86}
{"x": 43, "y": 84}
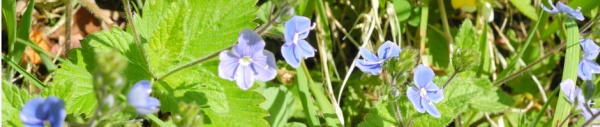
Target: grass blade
{"x": 25, "y": 74}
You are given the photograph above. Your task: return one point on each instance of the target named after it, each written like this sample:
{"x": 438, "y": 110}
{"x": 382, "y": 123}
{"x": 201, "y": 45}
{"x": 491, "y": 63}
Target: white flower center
{"x": 245, "y": 61}
{"x": 423, "y": 92}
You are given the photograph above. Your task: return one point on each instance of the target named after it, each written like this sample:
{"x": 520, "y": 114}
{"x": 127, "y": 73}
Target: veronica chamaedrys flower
{"x": 247, "y": 61}
{"x": 425, "y": 92}
{"x": 371, "y": 64}
{"x": 587, "y": 66}
{"x": 560, "y": 7}
{"x": 575, "y": 96}
{"x": 38, "y": 110}
{"x": 296, "y": 48}
{"x": 139, "y": 97}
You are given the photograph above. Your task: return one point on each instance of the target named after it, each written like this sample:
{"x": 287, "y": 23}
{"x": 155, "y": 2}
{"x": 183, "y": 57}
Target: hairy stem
{"x": 451, "y": 78}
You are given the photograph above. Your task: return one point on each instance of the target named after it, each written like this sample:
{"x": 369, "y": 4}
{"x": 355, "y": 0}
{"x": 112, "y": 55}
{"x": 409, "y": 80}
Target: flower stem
{"x": 451, "y": 78}
{"x": 157, "y": 120}
{"x": 591, "y": 119}
{"x": 135, "y": 34}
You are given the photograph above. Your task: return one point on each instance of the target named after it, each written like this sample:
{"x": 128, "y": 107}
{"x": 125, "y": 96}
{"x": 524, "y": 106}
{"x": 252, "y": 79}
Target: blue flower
{"x": 371, "y": 64}
{"x": 38, "y": 110}
{"x": 575, "y": 96}
{"x": 560, "y": 7}
{"x": 295, "y": 47}
{"x": 247, "y": 61}
{"x": 424, "y": 93}
{"x": 587, "y": 66}
{"x": 139, "y": 97}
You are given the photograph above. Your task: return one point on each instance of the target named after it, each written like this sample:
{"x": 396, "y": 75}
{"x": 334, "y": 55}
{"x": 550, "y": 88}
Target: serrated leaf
{"x": 227, "y": 105}
{"x": 493, "y": 99}
{"x": 13, "y": 100}
{"x": 466, "y": 38}
{"x": 73, "y": 81}
{"x": 179, "y": 32}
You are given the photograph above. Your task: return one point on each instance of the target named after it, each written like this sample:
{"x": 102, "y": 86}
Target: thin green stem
{"x": 326, "y": 107}
{"x": 451, "y": 78}
{"x": 587, "y": 123}
{"x": 447, "y": 33}
{"x": 539, "y": 116}
{"x": 136, "y": 35}
{"x": 520, "y": 71}
{"x": 157, "y": 120}
{"x": 522, "y": 51}
{"x": 305, "y": 99}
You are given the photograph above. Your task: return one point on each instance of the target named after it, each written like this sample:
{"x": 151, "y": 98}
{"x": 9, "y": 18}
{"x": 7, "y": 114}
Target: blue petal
{"x": 228, "y": 65}
{"x": 588, "y": 114}
{"x": 138, "y": 94}
{"x": 249, "y": 43}
{"x": 434, "y": 93}
{"x": 299, "y": 25}
{"x": 244, "y": 77}
{"x": 431, "y": 109}
{"x": 587, "y": 68}
{"x": 553, "y": 11}
{"x": 306, "y": 49}
{"x": 368, "y": 55}
{"x": 153, "y": 106}
{"x": 368, "y": 67}
{"x": 570, "y": 11}
{"x": 423, "y": 75}
{"x": 264, "y": 65}
{"x": 415, "y": 98}
{"x": 388, "y": 49}
{"x": 590, "y": 49}
{"x": 571, "y": 91}
{"x": 56, "y": 111}
{"x": 32, "y": 114}
{"x": 291, "y": 54}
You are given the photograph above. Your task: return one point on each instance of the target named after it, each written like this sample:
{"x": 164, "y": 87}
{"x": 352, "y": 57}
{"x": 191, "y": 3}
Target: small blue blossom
{"x": 560, "y": 7}
{"x": 575, "y": 96}
{"x": 38, "y": 110}
{"x": 295, "y": 47}
{"x": 139, "y": 97}
{"x": 371, "y": 64}
{"x": 425, "y": 92}
{"x": 587, "y": 66}
{"x": 247, "y": 61}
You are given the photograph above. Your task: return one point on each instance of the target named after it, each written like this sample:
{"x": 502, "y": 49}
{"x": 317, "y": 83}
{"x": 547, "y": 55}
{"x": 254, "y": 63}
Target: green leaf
{"x": 180, "y": 32}
{"x": 22, "y": 32}
{"x": 224, "y": 103}
{"x": 493, "y": 99}
{"x": 73, "y": 81}
{"x": 571, "y": 63}
{"x": 526, "y": 8}
{"x": 280, "y": 103}
{"x": 466, "y": 38}
{"x": 403, "y": 9}
{"x": 13, "y": 99}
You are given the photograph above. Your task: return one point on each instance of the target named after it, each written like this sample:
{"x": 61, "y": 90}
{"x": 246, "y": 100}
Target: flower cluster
{"x": 560, "y": 7}
{"x": 139, "y": 97}
{"x": 37, "y": 111}
{"x": 425, "y": 92}
{"x": 371, "y": 64}
{"x": 247, "y": 61}
{"x": 575, "y": 96}
{"x": 587, "y": 66}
